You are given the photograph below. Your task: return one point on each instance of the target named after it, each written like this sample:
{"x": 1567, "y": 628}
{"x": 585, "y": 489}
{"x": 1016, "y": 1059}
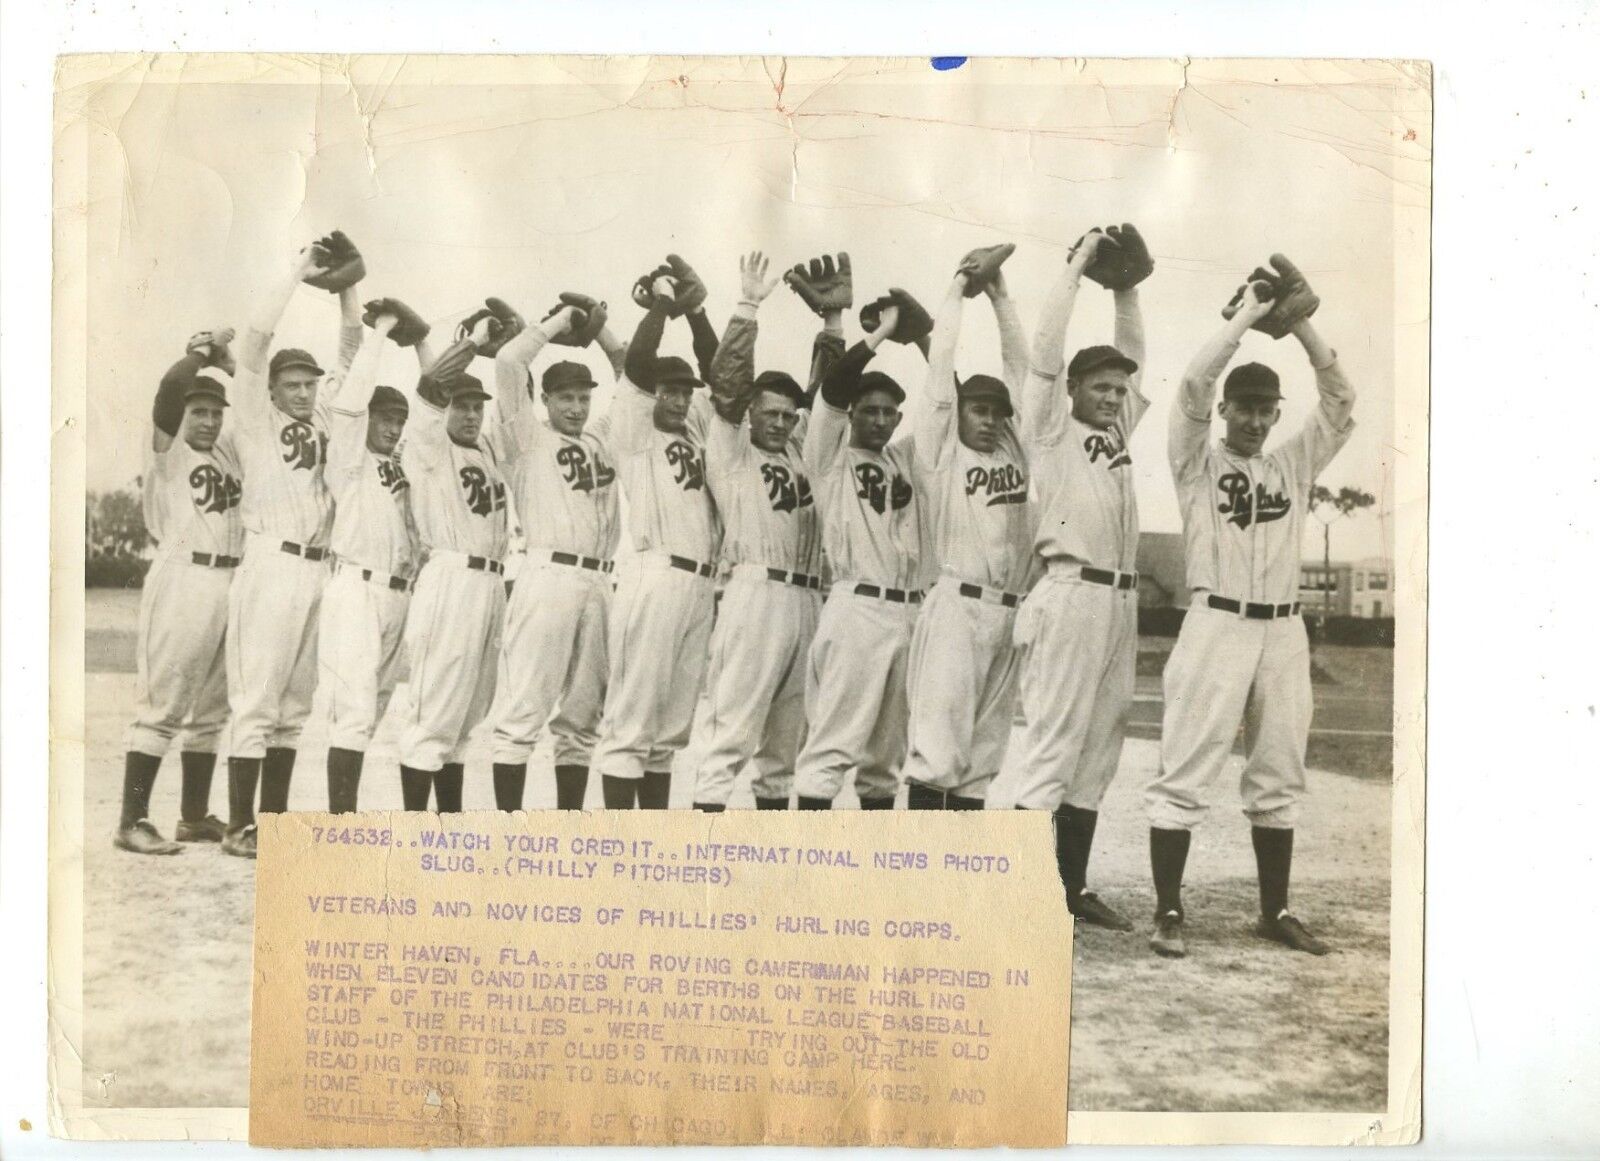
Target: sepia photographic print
{"x": 718, "y": 434}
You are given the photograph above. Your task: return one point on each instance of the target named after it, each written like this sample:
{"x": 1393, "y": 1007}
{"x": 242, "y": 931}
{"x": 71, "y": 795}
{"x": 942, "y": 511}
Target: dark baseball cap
{"x": 878, "y": 381}
{"x": 673, "y": 371}
{"x": 207, "y": 386}
{"x": 1251, "y": 381}
{"x": 1093, "y": 358}
{"x": 293, "y": 357}
{"x": 780, "y": 384}
{"x": 566, "y": 374}
{"x": 986, "y": 388}
{"x": 388, "y": 399}
{"x": 466, "y": 386}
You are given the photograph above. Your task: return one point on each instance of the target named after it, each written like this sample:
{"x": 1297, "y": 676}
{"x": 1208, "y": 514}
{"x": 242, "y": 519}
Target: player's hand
{"x": 995, "y": 288}
{"x": 691, "y": 290}
{"x": 665, "y": 291}
{"x": 754, "y": 285}
{"x": 560, "y": 321}
{"x": 888, "y": 319}
{"x": 308, "y": 260}
{"x": 385, "y": 323}
{"x": 483, "y": 331}
{"x": 1083, "y": 250}
{"x": 1255, "y": 301}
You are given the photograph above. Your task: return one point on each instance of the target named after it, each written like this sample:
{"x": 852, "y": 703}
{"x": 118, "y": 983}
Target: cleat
{"x": 209, "y": 829}
{"x": 142, "y": 838}
{"x": 241, "y": 842}
{"x": 1167, "y": 938}
{"x": 1290, "y": 932}
{"x": 1089, "y": 908}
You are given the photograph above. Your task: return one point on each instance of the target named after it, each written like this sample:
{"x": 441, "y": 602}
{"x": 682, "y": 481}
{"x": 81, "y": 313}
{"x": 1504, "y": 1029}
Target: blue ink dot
{"x": 945, "y": 63}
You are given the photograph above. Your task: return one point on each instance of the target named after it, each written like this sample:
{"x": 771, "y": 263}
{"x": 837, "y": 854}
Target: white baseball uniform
{"x": 962, "y": 670}
{"x": 375, "y": 545}
{"x": 1243, "y": 519}
{"x": 872, "y": 532}
{"x": 1079, "y": 637}
{"x": 277, "y": 592}
{"x": 191, "y": 509}
{"x": 452, "y": 634}
{"x": 772, "y": 543}
{"x": 554, "y": 652}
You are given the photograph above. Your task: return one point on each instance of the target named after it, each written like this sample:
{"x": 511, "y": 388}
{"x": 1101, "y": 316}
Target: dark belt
{"x": 399, "y": 584}
{"x": 898, "y": 596}
{"x": 1252, "y": 610}
{"x": 210, "y": 561}
{"x": 484, "y": 564}
{"x": 688, "y": 565}
{"x": 589, "y": 562}
{"x": 294, "y": 549}
{"x": 798, "y": 579}
{"x": 1116, "y": 580}
{"x": 976, "y": 592}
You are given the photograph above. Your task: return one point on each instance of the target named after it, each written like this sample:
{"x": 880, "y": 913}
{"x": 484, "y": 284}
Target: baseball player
{"x": 563, "y": 475}
{"x": 1078, "y": 630}
{"x": 1242, "y": 652}
{"x": 661, "y": 618}
{"x": 755, "y": 681}
{"x": 454, "y": 460}
{"x": 279, "y": 431}
{"x": 191, "y": 505}
{"x": 972, "y": 474}
{"x": 375, "y": 545}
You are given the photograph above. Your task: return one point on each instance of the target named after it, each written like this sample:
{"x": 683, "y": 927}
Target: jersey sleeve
{"x": 512, "y": 390}
{"x": 1190, "y": 424}
{"x": 1329, "y": 426}
{"x": 347, "y": 401}
{"x": 1129, "y": 339}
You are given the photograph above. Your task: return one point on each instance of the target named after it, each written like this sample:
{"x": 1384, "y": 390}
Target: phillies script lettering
{"x": 1004, "y": 484}
{"x": 787, "y": 491}
{"x": 303, "y": 446}
{"x": 483, "y": 496}
{"x": 579, "y": 473}
{"x": 392, "y": 476}
{"x": 214, "y": 491}
{"x": 874, "y": 486}
{"x": 1241, "y": 504}
{"x": 689, "y": 472}
{"x": 1102, "y": 446}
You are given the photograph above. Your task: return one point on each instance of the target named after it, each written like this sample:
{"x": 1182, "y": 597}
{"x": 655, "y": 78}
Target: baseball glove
{"x": 213, "y": 346}
{"x": 341, "y": 263}
{"x": 691, "y": 289}
{"x": 644, "y": 291}
{"x": 1122, "y": 260}
{"x": 981, "y": 265}
{"x": 505, "y": 324}
{"x": 914, "y": 322}
{"x": 588, "y": 319}
{"x": 1292, "y": 297}
{"x": 823, "y": 286}
{"x": 410, "y": 330}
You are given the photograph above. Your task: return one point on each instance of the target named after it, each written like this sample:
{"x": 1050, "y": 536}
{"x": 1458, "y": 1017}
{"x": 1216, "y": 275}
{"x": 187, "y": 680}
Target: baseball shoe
{"x": 1290, "y": 932}
{"x": 1091, "y": 909}
{"x": 142, "y": 838}
{"x": 1167, "y": 939}
{"x": 240, "y": 842}
{"x": 209, "y": 829}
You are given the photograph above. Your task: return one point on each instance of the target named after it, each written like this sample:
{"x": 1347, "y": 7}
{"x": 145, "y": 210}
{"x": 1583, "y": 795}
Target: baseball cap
{"x": 388, "y": 399}
{"x": 207, "y": 385}
{"x": 878, "y": 381}
{"x": 780, "y": 384}
{"x": 672, "y": 370}
{"x": 1093, "y": 358}
{"x": 466, "y": 386}
{"x": 1251, "y": 381}
{"x": 984, "y": 387}
{"x": 293, "y": 357}
{"x": 566, "y": 374}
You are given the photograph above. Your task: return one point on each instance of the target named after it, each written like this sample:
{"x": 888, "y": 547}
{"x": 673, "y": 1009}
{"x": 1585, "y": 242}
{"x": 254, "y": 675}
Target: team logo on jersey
{"x": 686, "y": 462}
{"x": 875, "y": 487}
{"x": 786, "y": 490}
{"x": 1243, "y": 505}
{"x": 304, "y": 447}
{"x": 483, "y": 495}
{"x": 214, "y": 491}
{"x": 580, "y": 474}
{"x": 1004, "y": 484}
{"x": 1103, "y": 445}
{"x": 392, "y": 476}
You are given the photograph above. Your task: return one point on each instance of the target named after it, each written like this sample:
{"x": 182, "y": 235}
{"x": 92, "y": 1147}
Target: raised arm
{"x": 348, "y": 397}
{"x": 640, "y": 364}
{"x": 1013, "y": 342}
{"x": 936, "y": 426}
{"x": 828, "y": 430}
{"x": 1129, "y": 339}
{"x": 733, "y": 368}
{"x": 513, "y": 376}
{"x": 615, "y": 350}
{"x": 251, "y": 403}
{"x": 1327, "y": 428}
{"x": 166, "y": 414}
{"x": 1190, "y": 424}
{"x": 1042, "y": 394}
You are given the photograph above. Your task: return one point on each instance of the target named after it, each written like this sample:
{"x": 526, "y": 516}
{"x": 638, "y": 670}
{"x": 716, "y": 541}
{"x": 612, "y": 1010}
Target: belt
{"x": 898, "y": 596}
{"x": 1253, "y": 610}
{"x": 688, "y": 565}
{"x": 591, "y": 563}
{"x": 218, "y": 561}
{"x": 294, "y": 549}
{"x": 485, "y": 564}
{"x": 798, "y": 579}
{"x": 1109, "y": 578}
{"x": 399, "y": 584}
{"x": 993, "y": 596}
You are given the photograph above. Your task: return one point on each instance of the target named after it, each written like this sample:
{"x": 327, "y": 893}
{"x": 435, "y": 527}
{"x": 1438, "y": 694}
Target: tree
{"x": 1328, "y": 506}
{"x": 115, "y": 524}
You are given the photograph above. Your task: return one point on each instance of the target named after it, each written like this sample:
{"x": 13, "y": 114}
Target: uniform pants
{"x": 1079, "y": 642}
{"x": 1225, "y": 668}
{"x": 358, "y": 653}
{"x": 183, "y": 681}
{"x": 452, "y": 642}
{"x": 273, "y": 611}
{"x": 962, "y": 687}
{"x": 660, "y": 630}
{"x": 856, "y": 697}
{"x": 554, "y": 654}
{"x": 755, "y": 686}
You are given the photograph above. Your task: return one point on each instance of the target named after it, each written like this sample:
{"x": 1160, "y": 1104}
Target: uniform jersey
{"x": 458, "y": 494}
{"x": 1244, "y": 516}
{"x": 664, "y": 476}
{"x": 372, "y": 522}
{"x": 871, "y": 517}
{"x": 191, "y": 499}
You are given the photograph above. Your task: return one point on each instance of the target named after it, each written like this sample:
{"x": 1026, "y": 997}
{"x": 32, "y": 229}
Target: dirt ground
{"x": 1239, "y": 1025}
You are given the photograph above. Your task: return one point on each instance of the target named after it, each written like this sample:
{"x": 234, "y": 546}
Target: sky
{"x": 200, "y": 192}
